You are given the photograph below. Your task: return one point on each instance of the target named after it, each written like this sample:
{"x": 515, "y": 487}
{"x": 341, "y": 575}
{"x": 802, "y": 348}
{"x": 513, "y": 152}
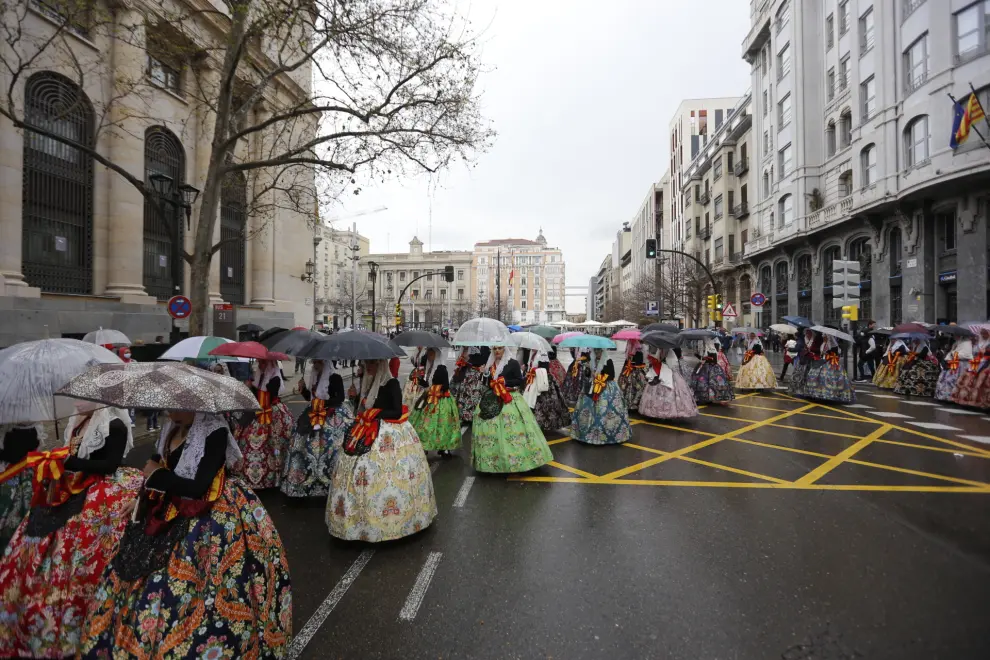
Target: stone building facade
{"x": 536, "y": 292}
{"x": 80, "y": 246}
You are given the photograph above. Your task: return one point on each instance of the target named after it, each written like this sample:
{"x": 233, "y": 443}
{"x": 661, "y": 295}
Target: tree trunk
{"x": 202, "y": 256}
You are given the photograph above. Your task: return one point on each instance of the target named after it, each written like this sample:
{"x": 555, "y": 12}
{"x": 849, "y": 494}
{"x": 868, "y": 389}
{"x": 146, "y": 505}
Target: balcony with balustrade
{"x": 741, "y": 167}
{"x": 740, "y": 211}
{"x": 705, "y": 198}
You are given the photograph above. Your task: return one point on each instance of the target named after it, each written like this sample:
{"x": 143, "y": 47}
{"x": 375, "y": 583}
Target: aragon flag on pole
{"x": 964, "y": 116}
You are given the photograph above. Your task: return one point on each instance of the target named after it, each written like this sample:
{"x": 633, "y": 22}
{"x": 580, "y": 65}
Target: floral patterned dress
{"x": 264, "y": 439}
{"x": 947, "y": 380}
{"x": 313, "y": 453}
{"x": 661, "y": 401}
{"x": 632, "y": 381}
{"x": 601, "y": 418}
{"x": 556, "y": 371}
{"x": 756, "y": 372}
{"x": 973, "y": 388}
{"x": 576, "y": 380}
{"x": 918, "y": 376}
{"x": 15, "y": 489}
{"x": 437, "y": 421}
{"x": 467, "y": 388}
{"x": 826, "y": 380}
{"x": 710, "y": 383}
{"x": 551, "y": 411}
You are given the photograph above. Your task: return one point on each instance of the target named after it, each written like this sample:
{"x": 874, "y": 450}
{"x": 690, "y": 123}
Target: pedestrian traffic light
{"x": 850, "y": 313}
{"x": 651, "y": 248}
{"x": 448, "y": 273}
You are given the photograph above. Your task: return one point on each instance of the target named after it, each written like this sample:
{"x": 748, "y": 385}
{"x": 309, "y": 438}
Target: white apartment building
{"x": 334, "y": 279}
{"x": 536, "y": 293}
{"x": 648, "y": 223}
{"x": 851, "y": 124}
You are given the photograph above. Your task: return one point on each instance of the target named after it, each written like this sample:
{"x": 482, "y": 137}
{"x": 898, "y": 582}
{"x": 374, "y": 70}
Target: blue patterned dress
{"x": 603, "y": 420}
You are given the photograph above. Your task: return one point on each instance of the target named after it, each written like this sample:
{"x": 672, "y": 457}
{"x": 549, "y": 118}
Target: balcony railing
{"x": 735, "y": 257}
{"x": 741, "y": 167}
{"x": 740, "y": 211}
{"x": 914, "y": 82}
{"x": 705, "y": 233}
{"x": 910, "y": 6}
{"x": 705, "y": 197}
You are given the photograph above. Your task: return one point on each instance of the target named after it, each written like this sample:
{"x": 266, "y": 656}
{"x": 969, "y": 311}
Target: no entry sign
{"x": 179, "y": 307}
{"x": 758, "y": 299}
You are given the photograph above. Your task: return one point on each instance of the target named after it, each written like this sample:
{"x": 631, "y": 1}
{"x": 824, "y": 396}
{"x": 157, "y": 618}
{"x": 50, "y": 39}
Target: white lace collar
{"x": 97, "y": 430}
{"x": 195, "y": 445}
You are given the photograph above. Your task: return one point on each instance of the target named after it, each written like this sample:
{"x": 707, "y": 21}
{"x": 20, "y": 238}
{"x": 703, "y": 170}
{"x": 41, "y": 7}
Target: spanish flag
{"x": 964, "y": 115}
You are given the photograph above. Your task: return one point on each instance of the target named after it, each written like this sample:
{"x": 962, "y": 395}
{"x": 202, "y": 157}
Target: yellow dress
{"x": 756, "y": 374}
{"x": 886, "y": 376}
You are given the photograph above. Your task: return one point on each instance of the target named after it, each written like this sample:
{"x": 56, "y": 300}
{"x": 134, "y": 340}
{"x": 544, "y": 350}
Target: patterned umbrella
{"x": 31, "y": 373}
{"x": 104, "y": 337}
{"x": 160, "y": 386}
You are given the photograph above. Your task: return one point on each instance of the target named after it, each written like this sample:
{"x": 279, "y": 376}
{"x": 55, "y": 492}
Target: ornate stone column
{"x": 262, "y": 245}
{"x": 11, "y": 212}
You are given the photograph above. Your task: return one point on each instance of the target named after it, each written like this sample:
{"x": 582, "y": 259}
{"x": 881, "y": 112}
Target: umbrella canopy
{"x": 955, "y": 330}
{"x": 250, "y": 327}
{"x": 354, "y": 345}
{"x": 910, "y": 327}
{"x": 589, "y": 324}
{"x": 31, "y": 373}
{"x": 514, "y": 328}
{"x": 563, "y": 324}
{"x": 910, "y": 335}
{"x": 420, "y": 339}
{"x": 838, "y": 334}
{"x": 481, "y": 332}
{"x": 566, "y": 335}
{"x": 886, "y": 332}
{"x": 784, "y": 328}
{"x": 529, "y": 340}
{"x": 661, "y": 327}
{"x": 587, "y": 341}
{"x": 799, "y": 321}
{"x": 269, "y": 332}
{"x": 621, "y": 323}
{"x": 160, "y": 386}
{"x": 247, "y": 349}
{"x": 194, "y": 348}
{"x": 696, "y": 334}
{"x": 104, "y": 337}
{"x": 746, "y": 331}
{"x": 290, "y": 342}
{"x": 545, "y": 331}
{"x": 661, "y": 339}
{"x": 627, "y": 334}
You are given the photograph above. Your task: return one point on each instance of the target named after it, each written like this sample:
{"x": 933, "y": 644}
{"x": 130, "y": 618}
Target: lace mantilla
{"x": 98, "y": 430}
{"x": 195, "y": 445}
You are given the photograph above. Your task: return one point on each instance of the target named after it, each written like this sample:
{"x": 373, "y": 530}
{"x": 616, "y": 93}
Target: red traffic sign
{"x": 179, "y": 307}
{"x": 758, "y": 299}
{"x": 729, "y": 311}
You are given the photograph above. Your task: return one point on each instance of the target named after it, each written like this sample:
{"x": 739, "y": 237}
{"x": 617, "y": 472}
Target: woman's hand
{"x": 150, "y": 467}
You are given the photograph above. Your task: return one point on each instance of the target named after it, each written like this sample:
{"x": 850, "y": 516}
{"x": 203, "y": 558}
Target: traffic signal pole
{"x": 448, "y": 275}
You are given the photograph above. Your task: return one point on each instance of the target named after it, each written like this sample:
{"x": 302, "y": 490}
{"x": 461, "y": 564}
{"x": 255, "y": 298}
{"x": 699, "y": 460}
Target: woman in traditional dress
{"x": 755, "y": 372}
{"x": 667, "y": 394}
{"x": 16, "y": 442}
{"x": 632, "y": 381}
{"x": 319, "y": 435}
{"x": 265, "y": 438}
{"x": 506, "y": 437}
{"x": 806, "y": 355}
{"x": 723, "y": 361}
{"x": 468, "y": 384}
{"x": 826, "y": 380}
{"x": 555, "y": 368}
{"x": 422, "y": 373}
{"x": 435, "y": 416}
{"x": 201, "y": 571}
{"x": 956, "y": 364}
{"x": 890, "y": 366}
{"x": 382, "y": 488}
{"x": 54, "y": 562}
{"x": 709, "y": 381}
{"x": 920, "y": 371}
{"x": 576, "y": 380}
{"x": 600, "y": 416}
{"x": 542, "y": 393}
{"x": 973, "y": 387}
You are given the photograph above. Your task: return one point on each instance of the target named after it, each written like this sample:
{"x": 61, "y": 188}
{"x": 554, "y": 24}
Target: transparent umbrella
{"x": 529, "y": 340}
{"x": 31, "y": 373}
{"x": 107, "y": 336}
{"x": 481, "y": 332}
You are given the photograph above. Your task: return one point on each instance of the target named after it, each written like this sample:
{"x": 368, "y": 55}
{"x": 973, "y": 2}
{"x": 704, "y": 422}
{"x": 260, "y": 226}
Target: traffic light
{"x": 651, "y": 248}
{"x": 718, "y": 301}
{"x": 710, "y": 302}
{"x": 850, "y": 313}
{"x": 398, "y": 315}
{"x": 448, "y": 273}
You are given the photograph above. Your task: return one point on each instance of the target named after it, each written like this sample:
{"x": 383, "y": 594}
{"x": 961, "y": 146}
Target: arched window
{"x": 786, "y": 205}
{"x": 860, "y": 250}
{"x": 57, "y": 211}
{"x": 830, "y": 254}
{"x": 163, "y": 218}
{"x": 894, "y": 242}
{"x": 846, "y": 183}
{"x": 745, "y": 291}
{"x": 780, "y": 284}
{"x": 916, "y": 141}
{"x": 868, "y": 165}
{"x": 766, "y": 283}
{"x": 830, "y": 139}
{"x": 804, "y": 272}
{"x": 766, "y": 184}
{"x": 845, "y": 128}
{"x": 233, "y": 226}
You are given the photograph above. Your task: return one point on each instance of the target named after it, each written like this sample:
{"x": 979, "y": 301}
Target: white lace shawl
{"x": 500, "y": 365}
{"x": 371, "y": 384}
{"x": 98, "y": 430}
{"x": 963, "y": 346}
{"x": 195, "y": 445}
{"x": 320, "y": 389}
{"x": 267, "y": 369}
{"x": 754, "y": 342}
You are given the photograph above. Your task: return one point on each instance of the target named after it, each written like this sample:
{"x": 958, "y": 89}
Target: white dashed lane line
{"x": 984, "y": 439}
{"x": 862, "y": 406}
{"x": 932, "y": 426}
{"x": 959, "y": 411}
{"x": 418, "y": 591}
{"x": 921, "y": 403}
{"x": 462, "y": 494}
{"x": 891, "y": 415}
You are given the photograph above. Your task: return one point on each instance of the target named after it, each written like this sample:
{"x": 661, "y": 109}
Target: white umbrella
{"x": 198, "y": 348}
{"x": 481, "y": 332}
{"x": 563, "y": 324}
{"x": 838, "y": 334}
{"x": 621, "y": 324}
{"x": 31, "y": 373}
{"x": 529, "y": 340}
{"x": 590, "y": 324}
{"x": 107, "y": 336}
{"x": 784, "y": 328}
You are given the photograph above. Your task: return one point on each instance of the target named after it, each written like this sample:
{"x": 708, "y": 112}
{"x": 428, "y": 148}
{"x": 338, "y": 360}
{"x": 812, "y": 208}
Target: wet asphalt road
{"x": 832, "y": 532}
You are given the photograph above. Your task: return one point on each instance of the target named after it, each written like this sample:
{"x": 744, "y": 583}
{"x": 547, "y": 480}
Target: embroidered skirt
{"x": 468, "y": 393}
{"x": 557, "y": 371}
{"x": 48, "y": 582}
{"x": 224, "y": 591}
{"x": 632, "y": 387}
{"x": 799, "y": 377}
{"x": 948, "y": 380}
{"x": 15, "y": 501}
{"x": 573, "y": 386}
{"x": 825, "y": 382}
{"x": 918, "y": 378}
{"x": 510, "y": 442}
{"x": 662, "y": 403}
{"x": 757, "y": 374}
{"x": 384, "y": 494}
{"x": 551, "y": 411}
{"x": 886, "y": 376}
{"x": 723, "y": 361}
{"x": 710, "y": 384}
{"x": 264, "y": 448}
{"x": 438, "y": 426}
{"x": 410, "y": 392}
{"x": 602, "y": 422}
{"x": 312, "y": 454}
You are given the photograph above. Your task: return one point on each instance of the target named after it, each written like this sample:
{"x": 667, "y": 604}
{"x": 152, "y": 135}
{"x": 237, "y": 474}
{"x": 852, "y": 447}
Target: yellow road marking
{"x": 918, "y": 473}
{"x": 704, "y": 443}
{"x": 742, "y": 484}
{"x": 734, "y": 419}
{"x": 743, "y": 405}
{"x": 572, "y": 470}
{"x": 781, "y": 447}
{"x": 930, "y": 448}
{"x": 717, "y": 466}
{"x": 845, "y": 419}
{"x": 675, "y": 428}
{"x": 798, "y": 428}
{"x": 558, "y": 441}
{"x": 841, "y": 457}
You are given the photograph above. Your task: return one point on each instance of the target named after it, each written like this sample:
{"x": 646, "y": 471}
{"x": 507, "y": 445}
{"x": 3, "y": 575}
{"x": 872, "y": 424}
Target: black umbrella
{"x": 661, "y": 339}
{"x": 419, "y": 339}
{"x": 354, "y": 345}
{"x": 290, "y": 342}
{"x": 954, "y": 330}
{"x": 885, "y": 332}
{"x": 798, "y": 321}
{"x": 696, "y": 333}
{"x": 910, "y": 327}
{"x": 250, "y": 327}
{"x": 661, "y": 327}
{"x": 270, "y": 332}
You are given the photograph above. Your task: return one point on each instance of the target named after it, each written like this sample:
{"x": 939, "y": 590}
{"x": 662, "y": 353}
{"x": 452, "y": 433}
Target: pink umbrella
{"x": 629, "y": 333}
{"x": 561, "y": 337}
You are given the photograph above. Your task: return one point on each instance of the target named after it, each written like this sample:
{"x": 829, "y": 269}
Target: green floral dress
{"x": 509, "y": 442}
{"x": 438, "y": 424}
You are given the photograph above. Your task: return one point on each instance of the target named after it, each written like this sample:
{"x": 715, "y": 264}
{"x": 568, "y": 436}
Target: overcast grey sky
{"x": 581, "y": 94}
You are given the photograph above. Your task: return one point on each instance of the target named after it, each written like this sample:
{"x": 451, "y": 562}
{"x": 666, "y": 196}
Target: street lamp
{"x": 373, "y": 269}
{"x": 317, "y": 238}
{"x": 310, "y": 271}
{"x": 184, "y": 198}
